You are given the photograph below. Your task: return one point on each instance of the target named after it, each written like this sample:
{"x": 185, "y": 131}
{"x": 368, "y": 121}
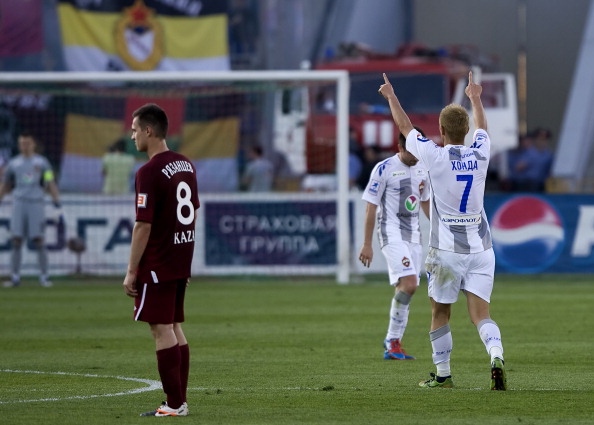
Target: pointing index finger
{"x": 386, "y": 79}
{"x": 469, "y": 77}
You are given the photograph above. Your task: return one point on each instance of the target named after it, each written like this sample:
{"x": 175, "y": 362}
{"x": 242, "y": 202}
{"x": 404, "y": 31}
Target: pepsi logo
{"x": 528, "y": 234}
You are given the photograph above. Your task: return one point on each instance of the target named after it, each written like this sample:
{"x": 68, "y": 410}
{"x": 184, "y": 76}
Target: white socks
{"x": 398, "y": 315}
{"x": 442, "y": 344}
{"x": 491, "y": 337}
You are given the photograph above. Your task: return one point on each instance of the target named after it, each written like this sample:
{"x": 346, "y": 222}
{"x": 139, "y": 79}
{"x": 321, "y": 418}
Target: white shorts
{"x": 449, "y": 273}
{"x": 404, "y": 259}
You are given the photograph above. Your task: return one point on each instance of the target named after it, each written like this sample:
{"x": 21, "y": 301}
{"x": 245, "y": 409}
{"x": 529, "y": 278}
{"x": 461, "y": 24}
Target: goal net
{"x": 299, "y": 225}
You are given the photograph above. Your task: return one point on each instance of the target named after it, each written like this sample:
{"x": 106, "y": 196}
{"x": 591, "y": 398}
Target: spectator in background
{"x": 530, "y": 163}
{"x": 371, "y": 156}
{"x": 117, "y": 168}
{"x": 519, "y": 164}
{"x": 544, "y": 157}
{"x": 258, "y": 174}
{"x": 28, "y": 176}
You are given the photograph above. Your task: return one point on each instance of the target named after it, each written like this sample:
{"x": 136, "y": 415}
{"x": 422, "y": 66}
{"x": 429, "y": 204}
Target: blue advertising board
{"x": 270, "y": 233}
{"x": 542, "y": 233}
{"x": 532, "y": 233}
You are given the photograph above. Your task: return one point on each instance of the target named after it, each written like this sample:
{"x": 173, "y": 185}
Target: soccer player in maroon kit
{"x": 161, "y": 252}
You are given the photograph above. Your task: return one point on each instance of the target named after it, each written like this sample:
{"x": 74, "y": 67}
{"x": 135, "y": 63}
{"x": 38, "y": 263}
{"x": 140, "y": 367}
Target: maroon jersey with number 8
{"x": 167, "y": 197}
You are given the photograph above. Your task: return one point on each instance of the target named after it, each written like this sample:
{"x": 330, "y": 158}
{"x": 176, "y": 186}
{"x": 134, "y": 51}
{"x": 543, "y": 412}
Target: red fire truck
{"x": 424, "y": 84}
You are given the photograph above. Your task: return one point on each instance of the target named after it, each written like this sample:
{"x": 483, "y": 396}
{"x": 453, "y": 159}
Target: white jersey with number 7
{"x": 457, "y": 177}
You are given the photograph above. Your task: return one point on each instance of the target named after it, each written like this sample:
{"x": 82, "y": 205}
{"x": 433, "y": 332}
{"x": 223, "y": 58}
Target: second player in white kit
{"x": 395, "y": 194}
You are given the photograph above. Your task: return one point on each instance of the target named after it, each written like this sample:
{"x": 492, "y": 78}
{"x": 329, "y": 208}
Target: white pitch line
{"x": 156, "y": 385}
{"x": 152, "y": 386}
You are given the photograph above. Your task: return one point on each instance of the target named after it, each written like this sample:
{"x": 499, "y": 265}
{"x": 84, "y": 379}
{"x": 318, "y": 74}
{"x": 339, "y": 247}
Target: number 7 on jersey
{"x": 464, "y": 201}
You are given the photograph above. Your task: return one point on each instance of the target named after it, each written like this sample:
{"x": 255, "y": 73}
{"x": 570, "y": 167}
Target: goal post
{"x": 98, "y": 102}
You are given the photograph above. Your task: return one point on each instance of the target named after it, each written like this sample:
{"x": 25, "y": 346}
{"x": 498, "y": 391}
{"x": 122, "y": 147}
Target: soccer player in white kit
{"x": 460, "y": 254}
{"x": 396, "y": 192}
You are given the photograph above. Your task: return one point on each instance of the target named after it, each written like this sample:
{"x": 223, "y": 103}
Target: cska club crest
{"x": 139, "y": 37}
{"x": 405, "y": 262}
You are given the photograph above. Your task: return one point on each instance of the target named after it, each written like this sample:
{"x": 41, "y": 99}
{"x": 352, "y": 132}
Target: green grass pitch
{"x": 294, "y": 351}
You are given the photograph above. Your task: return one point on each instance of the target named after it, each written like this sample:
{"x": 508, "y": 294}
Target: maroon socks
{"x": 184, "y": 369}
{"x": 169, "y": 363}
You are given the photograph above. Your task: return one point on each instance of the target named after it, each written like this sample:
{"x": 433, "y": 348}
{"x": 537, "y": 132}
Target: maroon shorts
{"x": 160, "y": 303}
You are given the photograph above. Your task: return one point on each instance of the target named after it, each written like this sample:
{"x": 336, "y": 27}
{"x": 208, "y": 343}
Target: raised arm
{"x": 400, "y": 117}
{"x": 473, "y": 91}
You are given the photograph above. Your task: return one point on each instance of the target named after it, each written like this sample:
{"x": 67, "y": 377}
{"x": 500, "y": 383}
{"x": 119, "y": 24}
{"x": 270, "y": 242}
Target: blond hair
{"x": 454, "y": 120}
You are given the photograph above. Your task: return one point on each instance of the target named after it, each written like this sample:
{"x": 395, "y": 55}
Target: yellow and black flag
{"x": 144, "y": 35}
{"x": 90, "y": 127}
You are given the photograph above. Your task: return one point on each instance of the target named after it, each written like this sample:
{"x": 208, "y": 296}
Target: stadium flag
{"x": 213, "y": 146}
{"x": 21, "y": 28}
{"x": 81, "y": 165}
{"x": 144, "y": 35}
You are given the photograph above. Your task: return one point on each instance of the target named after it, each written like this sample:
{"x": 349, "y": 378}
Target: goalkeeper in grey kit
{"x": 28, "y": 176}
